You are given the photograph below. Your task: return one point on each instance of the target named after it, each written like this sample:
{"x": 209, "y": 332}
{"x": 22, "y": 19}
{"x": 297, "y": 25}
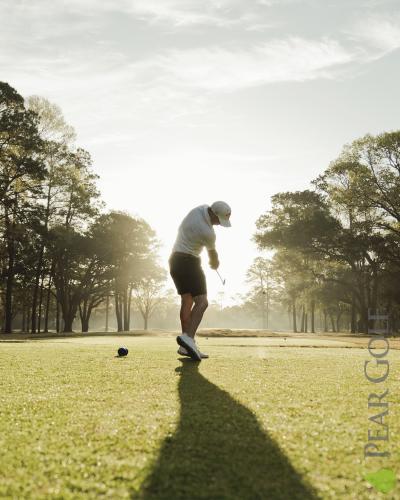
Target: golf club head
{"x": 220, "y": 277}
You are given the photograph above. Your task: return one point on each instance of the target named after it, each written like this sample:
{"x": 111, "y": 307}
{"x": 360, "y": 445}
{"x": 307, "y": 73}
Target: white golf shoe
{"x": 183, "y": 352}
{"x": 190, "y": 345}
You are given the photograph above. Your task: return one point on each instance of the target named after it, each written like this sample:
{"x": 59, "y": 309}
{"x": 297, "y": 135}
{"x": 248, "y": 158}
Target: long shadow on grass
{"x": 219, "y": 451}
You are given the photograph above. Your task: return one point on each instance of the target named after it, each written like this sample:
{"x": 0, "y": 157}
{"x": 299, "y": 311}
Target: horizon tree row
{"x": 337, "y": 246}
{"x": 61, "y": 254}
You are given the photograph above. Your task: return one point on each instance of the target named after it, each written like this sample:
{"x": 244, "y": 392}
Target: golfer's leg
{"x": 186, "y": 311}
{"x": 200, "y": 305}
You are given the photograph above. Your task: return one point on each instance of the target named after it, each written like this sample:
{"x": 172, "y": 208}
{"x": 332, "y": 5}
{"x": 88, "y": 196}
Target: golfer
{"x": 195, "y": 232}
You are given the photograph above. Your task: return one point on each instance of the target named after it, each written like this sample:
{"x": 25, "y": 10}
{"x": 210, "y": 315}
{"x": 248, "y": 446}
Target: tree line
{"x": 62, "y": 254}
{"x": 336, "y": 246}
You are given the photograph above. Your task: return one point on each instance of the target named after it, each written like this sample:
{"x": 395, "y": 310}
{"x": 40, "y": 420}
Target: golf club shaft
{"x": 220, "y": 277}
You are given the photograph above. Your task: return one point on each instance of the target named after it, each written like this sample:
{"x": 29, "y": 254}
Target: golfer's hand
{"x": 214, "y": 264}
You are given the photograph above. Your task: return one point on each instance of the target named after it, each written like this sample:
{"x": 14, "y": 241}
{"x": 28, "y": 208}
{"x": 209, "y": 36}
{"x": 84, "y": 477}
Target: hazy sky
{"x": 183, "y": 102}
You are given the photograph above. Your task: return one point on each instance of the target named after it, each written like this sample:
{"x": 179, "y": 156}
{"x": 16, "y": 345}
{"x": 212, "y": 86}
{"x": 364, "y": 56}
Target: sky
{"x": 185, "y": 102}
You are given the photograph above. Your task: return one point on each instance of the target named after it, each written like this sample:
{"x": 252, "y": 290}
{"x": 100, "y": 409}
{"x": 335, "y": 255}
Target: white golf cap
{"x": 223, "y": 211}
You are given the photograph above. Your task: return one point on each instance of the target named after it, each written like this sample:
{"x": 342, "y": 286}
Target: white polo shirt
{"x": 195, "y": 232}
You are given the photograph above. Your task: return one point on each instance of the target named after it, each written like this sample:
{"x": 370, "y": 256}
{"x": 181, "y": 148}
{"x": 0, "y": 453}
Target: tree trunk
{"x": 294, "y": 313}
{"x": 338, "y": 316}
{"x": 48, "y": 301}
{"x": 302, "y": 319}
{"x": 118, "y": 312}
{"x": 130, "y": 306}
{"x": 82, "y": 315}
{"x": 125, "y": 308}
{"x": 312, "y": 316}
{"x": 9, "y": 229}
{"x": 263, "y": 309}
{"x": 363, "y": 320}
{"x": 353, "y": 314}
{"x": 69, "y": 308}
{"x": 85, "y": 314}
{"x": 85, "y": 324}
{"x": 36, "y": 289}
{"x": 39, "y": 271}
{"x": 332, "y": 322}
{"x": 23, "y": 326}
{"x": 325, "y": 321}
{"x": 363, "y": 303}
{"x": 28, "y": 319}
{"x": 306, "y": 322}
{"x": 374, "y": 296}
{"x": 40, "y": 303}
{"x": 107, "y": 306}
{"x": 68, "y": 321}
{"x": 58, "y": 317}
{"x": 9, "y": 289}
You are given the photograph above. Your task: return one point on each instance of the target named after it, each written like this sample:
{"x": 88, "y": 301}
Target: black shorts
{"x": 188, "y": 276}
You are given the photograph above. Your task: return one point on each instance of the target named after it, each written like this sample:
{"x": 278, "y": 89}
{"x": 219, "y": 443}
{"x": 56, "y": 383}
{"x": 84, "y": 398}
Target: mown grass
{"x": 255, "y": 421}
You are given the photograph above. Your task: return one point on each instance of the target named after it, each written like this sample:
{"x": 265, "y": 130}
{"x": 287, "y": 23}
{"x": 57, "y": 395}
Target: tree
{"x": 129, "y": 245}
{"x": 20, "y": 175}
{"x": 374, "y": 164}
{"x": 56, "y": 135}
{"x": 346, "y": 234}
{"x": 54, "y": 241}
{"x": 293, "y": 279}
{"x": 300, "y": 226}
{"x": 260, "y": 276}
{"x": 147, "y": 292}
{"x": 359, "y": 185}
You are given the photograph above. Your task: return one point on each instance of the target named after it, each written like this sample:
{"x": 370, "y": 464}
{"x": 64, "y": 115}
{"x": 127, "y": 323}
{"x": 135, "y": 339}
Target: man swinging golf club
{"x": 195, "y": 232}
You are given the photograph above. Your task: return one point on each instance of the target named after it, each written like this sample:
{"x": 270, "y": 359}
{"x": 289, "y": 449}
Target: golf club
{"x": 220, "y": 277}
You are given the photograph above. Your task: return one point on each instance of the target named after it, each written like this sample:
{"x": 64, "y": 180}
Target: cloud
{"x": 70, "y": 51}
{"x": 185, "y": 13}
{"x": 171, "y": 84}
{"x": 381, "y": 35}
{"x": 222, "y": 69}
{"x": 189, "y": 12}
{"x": 175, "y": 13}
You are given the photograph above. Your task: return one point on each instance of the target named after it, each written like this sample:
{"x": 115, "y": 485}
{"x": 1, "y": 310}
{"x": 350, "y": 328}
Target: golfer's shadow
{"x": 219, "y": 451}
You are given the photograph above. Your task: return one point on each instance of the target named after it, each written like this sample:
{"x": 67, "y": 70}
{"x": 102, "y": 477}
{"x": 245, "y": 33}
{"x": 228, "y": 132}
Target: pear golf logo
{"x": 384, "y": 480}
{"x": 376, "y": 371}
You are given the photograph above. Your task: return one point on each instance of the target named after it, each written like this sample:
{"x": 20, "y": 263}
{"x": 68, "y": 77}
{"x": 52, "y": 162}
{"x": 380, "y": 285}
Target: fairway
{"x": 255, "y": 421}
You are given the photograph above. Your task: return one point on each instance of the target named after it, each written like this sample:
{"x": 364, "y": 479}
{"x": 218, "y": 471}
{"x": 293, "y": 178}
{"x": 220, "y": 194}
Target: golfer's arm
{"x": 213, "y": 259}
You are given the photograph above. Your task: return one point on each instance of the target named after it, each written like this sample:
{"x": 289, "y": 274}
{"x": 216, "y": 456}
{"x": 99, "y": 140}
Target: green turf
{"x": 255, "y": 421}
